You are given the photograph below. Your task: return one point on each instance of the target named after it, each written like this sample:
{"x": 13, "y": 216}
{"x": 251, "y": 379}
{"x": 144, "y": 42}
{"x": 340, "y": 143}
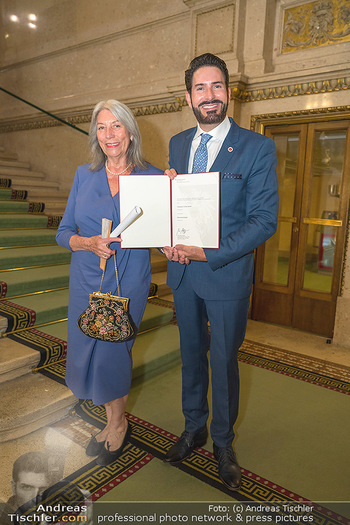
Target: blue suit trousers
{"x": 228, "y": 320}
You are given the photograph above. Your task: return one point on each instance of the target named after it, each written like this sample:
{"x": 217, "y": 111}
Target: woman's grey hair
{"x": 124, "y": 115}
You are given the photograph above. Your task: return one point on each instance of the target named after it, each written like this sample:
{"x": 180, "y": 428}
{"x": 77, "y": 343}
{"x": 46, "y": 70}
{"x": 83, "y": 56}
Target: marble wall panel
{"x": 156, "y": 131}
{"x": 206, "y": 39}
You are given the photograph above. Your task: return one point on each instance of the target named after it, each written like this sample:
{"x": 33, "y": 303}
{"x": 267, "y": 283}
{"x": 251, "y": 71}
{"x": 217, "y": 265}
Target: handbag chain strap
{"x": 116, "y": 274}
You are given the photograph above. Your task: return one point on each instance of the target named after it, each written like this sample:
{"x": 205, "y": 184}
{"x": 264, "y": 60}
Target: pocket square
{"x": 232, "y": 176}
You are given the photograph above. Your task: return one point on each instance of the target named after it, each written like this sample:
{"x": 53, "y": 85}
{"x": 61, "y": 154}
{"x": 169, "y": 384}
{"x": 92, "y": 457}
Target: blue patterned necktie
{"x": 200, "y": 159}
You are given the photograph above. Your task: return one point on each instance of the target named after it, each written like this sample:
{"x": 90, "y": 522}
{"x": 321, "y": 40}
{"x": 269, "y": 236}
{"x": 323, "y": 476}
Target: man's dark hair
{"x": 30, "y": 462}
{"x": 205, "y": 60}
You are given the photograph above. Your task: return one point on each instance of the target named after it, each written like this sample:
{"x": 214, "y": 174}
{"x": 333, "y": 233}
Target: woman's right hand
{"x": 100, "y": 245}
{"x": 93, "y": 244}
{"x": 170, "y": 173}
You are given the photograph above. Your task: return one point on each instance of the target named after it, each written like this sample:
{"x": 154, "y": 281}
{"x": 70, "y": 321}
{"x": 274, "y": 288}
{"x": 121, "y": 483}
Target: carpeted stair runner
{"x": 11, "y": 194}
{"x": 47, "y": 307}
{"x": 43, "y": 252}
{"x": 18, "y": 206}
{"x": 33, "y": 256}
{"x": 13, "y": 283}
{"x": 27, "y": 237}
{"x": 22, "y": 220}
{"x": 5, "y": 183}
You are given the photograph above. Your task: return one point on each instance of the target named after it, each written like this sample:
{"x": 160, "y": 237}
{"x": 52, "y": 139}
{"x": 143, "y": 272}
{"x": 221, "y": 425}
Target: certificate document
{"x": 185, "y": 210}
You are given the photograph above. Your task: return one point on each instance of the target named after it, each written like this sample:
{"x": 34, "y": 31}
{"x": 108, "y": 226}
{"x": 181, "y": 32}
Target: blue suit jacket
{"x": 249, "y": 210}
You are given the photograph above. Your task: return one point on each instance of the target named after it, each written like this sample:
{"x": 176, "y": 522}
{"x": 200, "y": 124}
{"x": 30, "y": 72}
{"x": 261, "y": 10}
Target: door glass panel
{"x": 277, "y": 248}
{"x": 327, "y": 170}
{"x": 319, "y": 258}
{"x": 287, "y": 147}
{"x": 277, "y": 255}
{"x": 326, "y": 183}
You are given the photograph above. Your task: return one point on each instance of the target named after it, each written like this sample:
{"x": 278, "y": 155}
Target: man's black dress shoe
{"x": 107, "y": 456}
{"x": 94, "y": 447}
{"x": 184, "y": 446}
{"x": 229, "y": 470}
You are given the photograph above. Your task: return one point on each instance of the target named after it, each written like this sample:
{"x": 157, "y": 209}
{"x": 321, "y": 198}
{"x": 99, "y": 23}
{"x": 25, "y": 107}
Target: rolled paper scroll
{"x": 129, "y": 219}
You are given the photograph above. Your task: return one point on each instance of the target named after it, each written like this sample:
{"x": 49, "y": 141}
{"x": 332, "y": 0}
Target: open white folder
{"x": 185, "y": 210}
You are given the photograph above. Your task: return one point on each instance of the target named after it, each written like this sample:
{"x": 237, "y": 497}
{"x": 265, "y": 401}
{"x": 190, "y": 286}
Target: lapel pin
{"x": 230, "y": 149}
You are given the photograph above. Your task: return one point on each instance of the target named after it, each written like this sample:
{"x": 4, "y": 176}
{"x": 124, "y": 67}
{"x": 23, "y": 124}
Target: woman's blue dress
{"x": 100, "y": 370}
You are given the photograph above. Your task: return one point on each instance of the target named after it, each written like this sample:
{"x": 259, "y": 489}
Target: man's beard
{"x": 212, "y": 117}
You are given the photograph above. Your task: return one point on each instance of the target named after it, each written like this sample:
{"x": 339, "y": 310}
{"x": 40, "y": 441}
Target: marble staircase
{"x": 22, "y": 176}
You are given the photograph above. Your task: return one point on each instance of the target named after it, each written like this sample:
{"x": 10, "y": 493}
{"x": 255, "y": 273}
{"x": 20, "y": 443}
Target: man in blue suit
{"x": 215, "y": 284}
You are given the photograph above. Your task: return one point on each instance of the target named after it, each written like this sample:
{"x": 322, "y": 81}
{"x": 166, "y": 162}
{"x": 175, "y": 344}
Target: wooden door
{"x": 298, "y": 270}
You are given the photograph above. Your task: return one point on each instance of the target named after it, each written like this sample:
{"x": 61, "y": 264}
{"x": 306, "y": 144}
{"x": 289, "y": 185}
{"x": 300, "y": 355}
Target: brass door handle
{"x": 323, "y": 222}
{"x": 295, "y": 229}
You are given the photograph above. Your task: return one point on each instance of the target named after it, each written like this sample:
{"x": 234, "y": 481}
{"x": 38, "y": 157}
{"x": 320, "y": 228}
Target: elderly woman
{"x": 100, "y": 370}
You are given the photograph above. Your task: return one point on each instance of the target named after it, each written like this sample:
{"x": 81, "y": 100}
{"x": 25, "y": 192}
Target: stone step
{"x": 46, "y": 195}
{"x": 58, "y": 200}
{"x": 17, "y": 171}
{"x": 16, "y": 359}
{"x": 7, "y": 156}
{"x": 31, "y": 402}
{"x": 19, "y": 183}
{"x": 13, "y": 163}
{"x": 54, "y": 208}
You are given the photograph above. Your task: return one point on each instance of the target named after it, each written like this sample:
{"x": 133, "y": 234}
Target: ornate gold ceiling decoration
{"x": 315, "y": 24}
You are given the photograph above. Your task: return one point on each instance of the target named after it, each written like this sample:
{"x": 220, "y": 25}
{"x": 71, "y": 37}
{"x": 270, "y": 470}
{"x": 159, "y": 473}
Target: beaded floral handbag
{"x": 107, "y": 317}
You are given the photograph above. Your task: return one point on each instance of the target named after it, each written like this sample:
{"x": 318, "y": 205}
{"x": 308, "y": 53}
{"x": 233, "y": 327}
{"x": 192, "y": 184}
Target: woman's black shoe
{"x": 106, "y": 456}
{"x": 94, "y": 447}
